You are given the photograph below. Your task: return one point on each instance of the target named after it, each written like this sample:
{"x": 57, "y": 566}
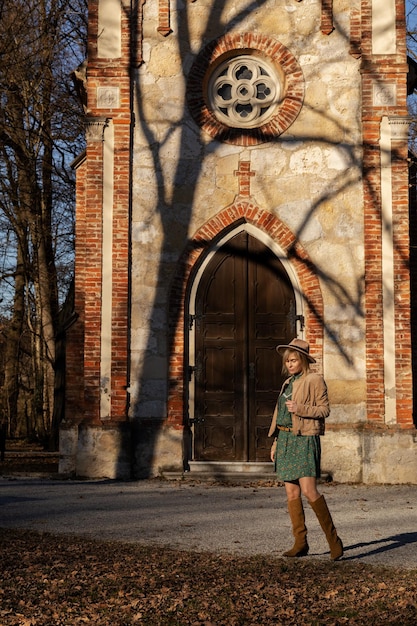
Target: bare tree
{"x": 40, "y": 131}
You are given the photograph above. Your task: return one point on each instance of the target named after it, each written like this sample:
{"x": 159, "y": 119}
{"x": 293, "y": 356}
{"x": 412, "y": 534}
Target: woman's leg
{"x": 296, "y": 512}
{"x": 308, "y": 485}
{"x": 320, "y": 508}
{"x": 293, "y": 490}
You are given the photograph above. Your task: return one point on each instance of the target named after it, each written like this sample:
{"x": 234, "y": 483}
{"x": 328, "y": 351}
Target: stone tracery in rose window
{"x": 243, "y": 91}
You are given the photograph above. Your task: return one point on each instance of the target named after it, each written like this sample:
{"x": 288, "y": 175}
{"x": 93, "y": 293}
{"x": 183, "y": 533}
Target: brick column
{"x": 402, "y": 297}
{"x": 95, "y": 440}
{"x": 107, "y": 321}
{"x": 385, "y": 188}
{"x": 92, "y": 261}
{"x": 74, "y": 350}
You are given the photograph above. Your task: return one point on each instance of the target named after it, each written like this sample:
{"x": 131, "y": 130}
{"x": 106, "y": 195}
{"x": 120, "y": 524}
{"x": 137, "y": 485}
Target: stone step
{"x": 230, "y": 472}
{"x": 225, "y": 467}
{"x": 225, "y": 471}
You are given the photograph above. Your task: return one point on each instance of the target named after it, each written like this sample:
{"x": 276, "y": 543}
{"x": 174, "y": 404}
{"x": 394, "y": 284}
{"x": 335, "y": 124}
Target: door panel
{"x": 245, "y": 306}
{"x": 271, "y": 320}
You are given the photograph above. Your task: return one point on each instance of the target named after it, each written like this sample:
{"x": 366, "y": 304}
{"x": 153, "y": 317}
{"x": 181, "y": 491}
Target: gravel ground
{"x": 378, "y": 524}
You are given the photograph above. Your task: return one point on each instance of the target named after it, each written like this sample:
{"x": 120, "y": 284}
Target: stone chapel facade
{"x": 245, "y": 181}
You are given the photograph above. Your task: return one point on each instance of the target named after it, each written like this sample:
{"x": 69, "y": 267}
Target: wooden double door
{"x": 245, "y": 307}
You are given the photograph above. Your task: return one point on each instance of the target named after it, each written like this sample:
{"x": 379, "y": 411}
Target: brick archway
{"x": 239, "y": 212}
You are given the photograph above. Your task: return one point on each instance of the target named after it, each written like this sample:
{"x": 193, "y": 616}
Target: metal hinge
{"x": 301, "y": 319}
{"x": 195, "y": 420}
{"x": 193, "y": 318}
{"x": 194, "y": 370}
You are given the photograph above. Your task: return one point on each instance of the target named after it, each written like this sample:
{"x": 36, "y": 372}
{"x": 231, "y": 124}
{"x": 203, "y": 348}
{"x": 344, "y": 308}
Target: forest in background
{"x": 41, "y": 132}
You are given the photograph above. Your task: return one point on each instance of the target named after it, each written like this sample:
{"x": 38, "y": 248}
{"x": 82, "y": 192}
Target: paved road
{"x": 378, "y": 524}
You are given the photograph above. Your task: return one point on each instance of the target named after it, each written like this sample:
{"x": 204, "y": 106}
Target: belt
{"x": 287, "y": 429}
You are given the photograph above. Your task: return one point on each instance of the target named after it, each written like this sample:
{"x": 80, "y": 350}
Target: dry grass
{"x": 61, "y": 581}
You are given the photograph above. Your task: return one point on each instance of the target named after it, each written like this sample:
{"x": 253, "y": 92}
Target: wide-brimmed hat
{"x": 299, "y": 345}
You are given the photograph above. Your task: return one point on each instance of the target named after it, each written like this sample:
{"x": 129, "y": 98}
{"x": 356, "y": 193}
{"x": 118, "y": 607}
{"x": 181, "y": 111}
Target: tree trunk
{"x": 13, "y": 351}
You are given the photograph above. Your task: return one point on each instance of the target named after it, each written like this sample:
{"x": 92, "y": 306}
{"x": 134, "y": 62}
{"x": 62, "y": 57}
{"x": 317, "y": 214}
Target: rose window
{"x": 245, "y": 89}
{"x": 244, "y": 92}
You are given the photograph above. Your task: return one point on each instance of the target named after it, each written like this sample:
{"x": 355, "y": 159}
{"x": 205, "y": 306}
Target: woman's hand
{"x": 273, "y": 450}
{"x": 291, "y": 406}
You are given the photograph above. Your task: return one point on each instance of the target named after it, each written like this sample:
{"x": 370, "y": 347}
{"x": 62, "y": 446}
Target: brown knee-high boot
{"x": 322, "y": 512}
{"x": 296, "y": 511}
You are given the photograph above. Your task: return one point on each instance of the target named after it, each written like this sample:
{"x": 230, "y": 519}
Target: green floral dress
{"x": 296, "y": 456}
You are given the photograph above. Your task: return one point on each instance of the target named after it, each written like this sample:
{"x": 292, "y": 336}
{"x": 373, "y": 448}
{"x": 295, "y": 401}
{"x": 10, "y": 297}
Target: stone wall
{"x": 307, "y": 178}
{"x": 323, "y": 182}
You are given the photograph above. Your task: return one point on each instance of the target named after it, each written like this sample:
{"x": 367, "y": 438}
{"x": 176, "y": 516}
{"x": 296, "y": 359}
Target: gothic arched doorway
{"x": 244, "y": 306}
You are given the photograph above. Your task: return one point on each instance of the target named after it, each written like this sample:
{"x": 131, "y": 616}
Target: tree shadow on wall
{"x": 174, "y": 207}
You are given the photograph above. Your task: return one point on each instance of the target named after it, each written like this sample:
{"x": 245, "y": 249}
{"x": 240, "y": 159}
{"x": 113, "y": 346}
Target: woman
{"x": 297, "y": 423}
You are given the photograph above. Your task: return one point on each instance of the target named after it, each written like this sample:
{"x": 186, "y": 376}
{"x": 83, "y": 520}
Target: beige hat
{"x": 299, "y": 345}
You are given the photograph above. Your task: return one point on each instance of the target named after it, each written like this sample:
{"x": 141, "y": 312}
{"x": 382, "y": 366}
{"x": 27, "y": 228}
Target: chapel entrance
{"x": 245, "y": 306}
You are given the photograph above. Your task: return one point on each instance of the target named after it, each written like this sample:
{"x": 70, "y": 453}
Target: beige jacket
{"x": 309, "y": 392}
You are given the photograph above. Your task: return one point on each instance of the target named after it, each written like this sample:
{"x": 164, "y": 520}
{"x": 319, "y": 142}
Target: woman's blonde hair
{"x": 305, "y": 363}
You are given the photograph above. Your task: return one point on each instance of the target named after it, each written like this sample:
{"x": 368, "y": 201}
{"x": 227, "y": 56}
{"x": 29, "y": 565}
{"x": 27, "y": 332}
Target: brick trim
{"x": 164, "y": 18}
{"x": 327, "y": 17}
{"x": 355, "y": 33}
{"x": 232, "y": 44}
{"x": 246, "y": 212}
